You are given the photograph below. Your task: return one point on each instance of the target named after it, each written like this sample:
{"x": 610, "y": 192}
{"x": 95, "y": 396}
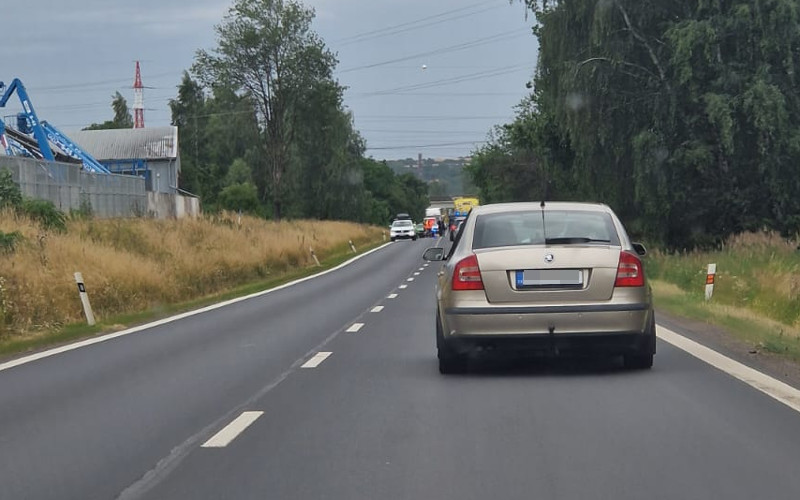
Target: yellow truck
{"x": 463, "y": 204}
{"x": 461, "y": 207}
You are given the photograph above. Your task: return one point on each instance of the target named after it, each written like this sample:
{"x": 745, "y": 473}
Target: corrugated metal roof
{"x": 129, "y": 143}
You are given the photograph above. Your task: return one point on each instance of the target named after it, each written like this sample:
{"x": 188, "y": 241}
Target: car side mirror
{"x": 434, "y": 254}
{"x": 639, "y": 249}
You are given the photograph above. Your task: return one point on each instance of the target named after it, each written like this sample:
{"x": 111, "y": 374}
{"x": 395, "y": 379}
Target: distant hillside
{"x": 445, "y": 176}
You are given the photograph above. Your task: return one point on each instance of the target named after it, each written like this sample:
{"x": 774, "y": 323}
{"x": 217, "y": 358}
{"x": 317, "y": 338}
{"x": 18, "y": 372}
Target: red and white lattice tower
{"x": 138, "y": 100}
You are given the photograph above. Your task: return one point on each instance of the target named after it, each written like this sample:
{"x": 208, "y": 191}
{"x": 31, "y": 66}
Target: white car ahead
{"x": 403, "y": 229}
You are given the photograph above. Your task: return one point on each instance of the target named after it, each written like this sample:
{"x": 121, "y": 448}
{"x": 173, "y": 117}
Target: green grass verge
{"x": 79, "y": 331}
{"x": 759, "y": 331}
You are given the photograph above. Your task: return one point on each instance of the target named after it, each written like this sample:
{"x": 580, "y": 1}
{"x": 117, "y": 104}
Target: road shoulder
{"x": 722, "y": 341}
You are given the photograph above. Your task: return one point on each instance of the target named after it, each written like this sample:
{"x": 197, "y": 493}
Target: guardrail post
{"x": 352, "y": 247}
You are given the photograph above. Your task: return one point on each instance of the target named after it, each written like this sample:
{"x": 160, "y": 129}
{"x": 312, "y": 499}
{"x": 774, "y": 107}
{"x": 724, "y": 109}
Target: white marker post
{"x": 87, "y": 308}
{"x": 314, "y": 255}
{"x": 712, "y": 271}
{"x": 352, "y": 247}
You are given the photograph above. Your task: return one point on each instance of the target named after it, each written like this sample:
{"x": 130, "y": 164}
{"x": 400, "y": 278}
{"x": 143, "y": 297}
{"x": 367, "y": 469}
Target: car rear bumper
{"x": 602, "y": 344}
{"x": 587, "y": 322}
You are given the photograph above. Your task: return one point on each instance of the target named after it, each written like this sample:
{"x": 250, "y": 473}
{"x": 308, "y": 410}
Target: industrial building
{"x": 151, "y": 153}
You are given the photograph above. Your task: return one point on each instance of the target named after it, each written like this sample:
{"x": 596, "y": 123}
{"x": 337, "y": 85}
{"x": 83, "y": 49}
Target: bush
{"x": 8, "y": 241}
{"x": 41, "y": 211}
{"x": 242, "y": 197}
{"x": 46, "y": 214}
{"x": 10, "y": 195}
{"x": 84, "y": 212}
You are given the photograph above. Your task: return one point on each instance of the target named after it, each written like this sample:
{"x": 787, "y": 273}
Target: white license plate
{"x": 549, "y": 278}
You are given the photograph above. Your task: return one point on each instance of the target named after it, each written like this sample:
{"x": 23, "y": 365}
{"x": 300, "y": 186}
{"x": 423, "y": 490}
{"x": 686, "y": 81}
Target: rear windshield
{"x": 560, "y": 227}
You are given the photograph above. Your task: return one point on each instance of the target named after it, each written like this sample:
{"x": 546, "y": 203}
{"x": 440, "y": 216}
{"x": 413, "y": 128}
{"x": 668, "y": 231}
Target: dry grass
{"x": 131, "y": 265}
{"x": 755, "y": 271}
{"x": 670, "y": 292}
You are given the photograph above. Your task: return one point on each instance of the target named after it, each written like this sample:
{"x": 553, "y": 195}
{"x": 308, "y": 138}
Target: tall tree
{"x": 215, "y": 131}
{"x": 682, "y": 115}
{"x": 267, "y": 50}
{"x": 122, "y": 115}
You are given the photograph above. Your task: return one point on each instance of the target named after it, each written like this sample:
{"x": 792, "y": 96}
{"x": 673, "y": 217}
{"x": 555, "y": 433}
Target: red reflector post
{"x": 630, "y": 271}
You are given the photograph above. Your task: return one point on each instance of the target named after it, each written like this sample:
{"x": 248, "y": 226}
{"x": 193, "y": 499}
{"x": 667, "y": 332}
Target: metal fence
{"x": 71, "y": 188}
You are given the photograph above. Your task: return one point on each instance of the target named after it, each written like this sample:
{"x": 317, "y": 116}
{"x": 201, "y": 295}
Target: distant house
{"x": 151, "y": 153}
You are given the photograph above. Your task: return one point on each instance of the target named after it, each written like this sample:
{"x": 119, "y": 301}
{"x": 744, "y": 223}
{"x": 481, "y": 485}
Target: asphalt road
{"x": 129, "y": 418}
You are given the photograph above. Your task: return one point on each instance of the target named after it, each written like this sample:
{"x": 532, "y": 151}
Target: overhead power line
{"x": 94, "y": 83}
{"x": 418, "y": 131}
{"x": 409, "y": 23}
{"x": 431, "y": 118}
{"x": 436, "y": 145}
{"x": 444, "y": 94}
{"x": 506, "y": 35}
{"x": 393, "y": 32}
{"x": 449, "y": 81}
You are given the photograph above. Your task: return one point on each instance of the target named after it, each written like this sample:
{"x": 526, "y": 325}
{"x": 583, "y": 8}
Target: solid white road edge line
{"x": 224, "y": 437}
{"x": 355, "y": 327}
{"x": 316, "y": 360}
{"x": 376, "y": 309}
{"x": 96, "y": 340}
{"x": 774, "y": 388}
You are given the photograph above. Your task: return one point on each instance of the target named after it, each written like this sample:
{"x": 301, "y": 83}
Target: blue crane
{"x": 28, "y": 122}
{"x": 3, "y": 141}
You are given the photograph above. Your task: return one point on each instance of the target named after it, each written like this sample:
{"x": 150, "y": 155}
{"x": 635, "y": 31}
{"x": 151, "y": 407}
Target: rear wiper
{"x": 573, "y": 239}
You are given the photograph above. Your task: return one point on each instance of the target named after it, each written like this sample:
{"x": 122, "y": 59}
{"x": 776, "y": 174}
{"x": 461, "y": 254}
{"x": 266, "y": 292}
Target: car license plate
{"x": 551, "y": 278}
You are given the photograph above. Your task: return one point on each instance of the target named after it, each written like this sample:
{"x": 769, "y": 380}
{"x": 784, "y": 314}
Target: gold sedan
{"x": 543, "y": 278}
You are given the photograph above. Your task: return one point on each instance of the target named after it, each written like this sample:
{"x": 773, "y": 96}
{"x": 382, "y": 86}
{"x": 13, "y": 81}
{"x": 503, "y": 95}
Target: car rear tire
{"x": 638, "y": 361}
{"x": 452, "y": 365}
{"x": 449, "y": 361}
{"x": 643, "y": 360}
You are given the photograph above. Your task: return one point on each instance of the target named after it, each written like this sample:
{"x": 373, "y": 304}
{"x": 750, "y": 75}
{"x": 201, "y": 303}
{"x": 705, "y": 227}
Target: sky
{"x": 422, "y": 76}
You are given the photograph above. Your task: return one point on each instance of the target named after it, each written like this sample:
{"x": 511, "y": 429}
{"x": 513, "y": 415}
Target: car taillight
{"x": 630, "y": 271}
{"x": 467, "y": 275}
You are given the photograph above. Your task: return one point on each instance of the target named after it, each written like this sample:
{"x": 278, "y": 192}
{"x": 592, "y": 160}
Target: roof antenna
{"x": 541, "y": 206}
{"x": 544, "y": 226}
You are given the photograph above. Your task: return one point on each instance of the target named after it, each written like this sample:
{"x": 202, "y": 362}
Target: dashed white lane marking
{"x": 425, "y": 265}
{"x": 416, "y": 274}
{"x": 224, "y": 437}
{"x": 355, "y": 327}
{"x": 421, "y": 269}
{"x": 316, "y": 360}
{"x": 410, "y": 279}
{"x": 376, "y": 309}
{"x": 774, "y": 388}
{"x": 403, "y": 287}
{"x": 391, "y": 296}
